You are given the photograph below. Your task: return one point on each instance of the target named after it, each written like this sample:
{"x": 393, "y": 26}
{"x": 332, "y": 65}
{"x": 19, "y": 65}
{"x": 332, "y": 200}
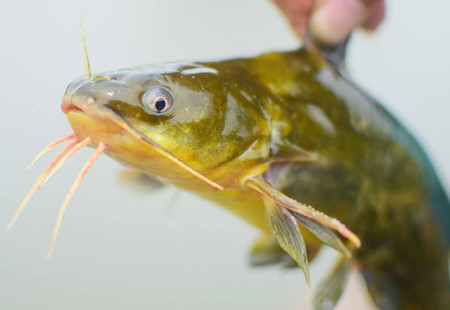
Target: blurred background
{"x": 119, "y": 249}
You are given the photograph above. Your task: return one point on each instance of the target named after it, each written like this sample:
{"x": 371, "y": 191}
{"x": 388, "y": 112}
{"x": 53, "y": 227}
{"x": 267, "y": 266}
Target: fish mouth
{"x": 67, "y": 106}
{"x": 71, "y": 103}
{"x": 88, "y": 121}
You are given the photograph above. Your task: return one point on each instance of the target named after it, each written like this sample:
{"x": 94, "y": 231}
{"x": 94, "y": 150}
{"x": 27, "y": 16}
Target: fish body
{"x": 272, "y": 131}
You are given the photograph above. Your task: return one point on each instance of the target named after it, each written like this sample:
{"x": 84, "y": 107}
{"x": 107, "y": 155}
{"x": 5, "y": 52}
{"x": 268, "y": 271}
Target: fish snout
{"x": 87, "y": 93}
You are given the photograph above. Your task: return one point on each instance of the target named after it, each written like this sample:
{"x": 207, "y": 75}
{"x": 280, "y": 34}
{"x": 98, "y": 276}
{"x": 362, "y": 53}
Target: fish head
{"x": 150, "y": 117}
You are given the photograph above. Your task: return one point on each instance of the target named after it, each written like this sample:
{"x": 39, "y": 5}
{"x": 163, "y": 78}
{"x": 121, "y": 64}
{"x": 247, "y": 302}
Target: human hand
{"x": 331, "y": 21}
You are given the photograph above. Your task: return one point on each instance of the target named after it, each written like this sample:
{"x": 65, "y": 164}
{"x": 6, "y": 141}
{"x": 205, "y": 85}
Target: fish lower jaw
{"x": 85, "y": 126}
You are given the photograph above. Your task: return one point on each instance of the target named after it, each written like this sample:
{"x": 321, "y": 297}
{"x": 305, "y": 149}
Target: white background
{"x": 122, "y": 250}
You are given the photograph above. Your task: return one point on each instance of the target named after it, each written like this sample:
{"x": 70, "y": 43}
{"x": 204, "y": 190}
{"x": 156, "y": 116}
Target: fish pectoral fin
{"x": 317, "y": 222}
{"x": 325, "y": 234}
{"x": 285, "y": 230}
{"x": 267, "y": 251}
{"x": 330, "y": 289}
{"x": 139, "y": 181}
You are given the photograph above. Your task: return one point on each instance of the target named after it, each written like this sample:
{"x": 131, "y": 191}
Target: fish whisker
{"x": 44, "y": 176}
{"x": 71, "y": 192}
{"x": 64, "y": 160}
{"x": 49, "y": 147}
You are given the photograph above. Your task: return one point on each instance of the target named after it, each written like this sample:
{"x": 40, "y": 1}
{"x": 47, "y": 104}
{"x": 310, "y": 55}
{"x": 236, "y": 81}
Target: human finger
{"x": 297, "y": 12}
{"x": 333, "y": 21}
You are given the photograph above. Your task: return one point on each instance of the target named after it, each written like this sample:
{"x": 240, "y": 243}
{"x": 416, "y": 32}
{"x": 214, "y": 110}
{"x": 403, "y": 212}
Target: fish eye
{"x": 157, "y": 100}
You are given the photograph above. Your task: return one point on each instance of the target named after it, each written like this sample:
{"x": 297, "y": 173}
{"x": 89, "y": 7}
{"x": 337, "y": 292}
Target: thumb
{"x": 333, "y": 21}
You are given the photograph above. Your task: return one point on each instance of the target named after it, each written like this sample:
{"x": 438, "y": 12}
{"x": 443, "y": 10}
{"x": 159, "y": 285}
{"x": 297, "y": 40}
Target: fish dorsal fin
{"x": 334, "y": 54}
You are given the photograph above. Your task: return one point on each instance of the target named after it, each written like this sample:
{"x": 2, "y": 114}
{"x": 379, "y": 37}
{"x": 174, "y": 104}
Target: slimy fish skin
{"x": 288, "y": 143}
